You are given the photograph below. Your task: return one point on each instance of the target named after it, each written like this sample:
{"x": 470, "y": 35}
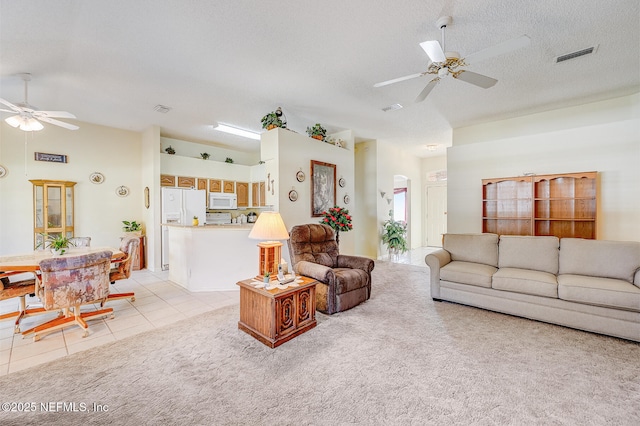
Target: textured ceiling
{"x": 232, "y": 61}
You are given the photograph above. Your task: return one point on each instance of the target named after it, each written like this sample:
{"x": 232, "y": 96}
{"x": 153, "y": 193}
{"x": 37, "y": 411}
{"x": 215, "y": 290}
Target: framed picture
{"x": 323, "y": 187}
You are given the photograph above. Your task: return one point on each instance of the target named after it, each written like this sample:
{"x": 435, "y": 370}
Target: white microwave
{"x": 222, "y": 201}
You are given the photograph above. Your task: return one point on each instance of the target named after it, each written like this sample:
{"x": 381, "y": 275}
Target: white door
{"x": 436, "y": 220}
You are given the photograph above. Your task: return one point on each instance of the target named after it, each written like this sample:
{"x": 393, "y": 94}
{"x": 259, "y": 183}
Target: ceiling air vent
{"x": 576, "y": 54}
{"x": 162, "y": 109}
{"x": 392, "y": 107}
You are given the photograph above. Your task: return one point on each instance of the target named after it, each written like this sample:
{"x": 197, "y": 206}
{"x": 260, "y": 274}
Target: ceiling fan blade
{"x": 498, "y": 49}
{"x": 476, "y": 79}
{"x": 427, "y": 89}
{"x": 433, "y": 50}
{"x": 10, "y": 105}
{"x": 59, "y": 123}
{"x": 399, "y": 79}
{"x": 56, "y": 114}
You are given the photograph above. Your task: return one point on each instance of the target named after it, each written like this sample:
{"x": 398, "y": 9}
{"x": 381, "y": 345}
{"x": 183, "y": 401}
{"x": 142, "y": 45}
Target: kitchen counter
{"x": 211, "y": 257}
{"x": 208, "y": 226}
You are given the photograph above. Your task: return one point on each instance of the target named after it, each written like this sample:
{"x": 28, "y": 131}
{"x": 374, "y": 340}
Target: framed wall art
{"x": 323, "y": 187}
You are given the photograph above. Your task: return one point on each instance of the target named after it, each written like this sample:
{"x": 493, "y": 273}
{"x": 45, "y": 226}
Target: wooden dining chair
{"x": 20, "y": 288}
{"x": 68, "y": 282}
{"x": 121, "y": 270}
{"x": 80, "y": 241}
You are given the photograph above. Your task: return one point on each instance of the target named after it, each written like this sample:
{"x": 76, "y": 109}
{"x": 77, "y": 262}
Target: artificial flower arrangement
{"x": 339, "y": 219}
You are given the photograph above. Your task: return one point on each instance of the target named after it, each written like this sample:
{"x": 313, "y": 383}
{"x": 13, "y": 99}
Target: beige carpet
{"x": 398, "y": 359}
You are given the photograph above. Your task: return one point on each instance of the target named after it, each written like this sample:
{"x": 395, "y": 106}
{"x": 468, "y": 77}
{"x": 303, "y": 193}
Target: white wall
{"x": 99, "y": 212}
{"x": 602, "y": 136}
{"x": 286, "y": 153}
{"x": 367, "y": 198}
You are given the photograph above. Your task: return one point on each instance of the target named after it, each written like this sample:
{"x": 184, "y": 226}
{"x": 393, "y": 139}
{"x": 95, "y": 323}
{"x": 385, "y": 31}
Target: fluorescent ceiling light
{"x": 236, "y": 131}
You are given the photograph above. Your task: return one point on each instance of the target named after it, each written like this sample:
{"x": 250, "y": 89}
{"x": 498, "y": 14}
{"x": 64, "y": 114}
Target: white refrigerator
{"x": 179, "y": 206}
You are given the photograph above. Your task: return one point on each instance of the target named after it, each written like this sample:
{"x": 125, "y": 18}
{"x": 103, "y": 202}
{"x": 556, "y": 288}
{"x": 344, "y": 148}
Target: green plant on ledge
{"x": 394, "y": 235}
{"x": 132, "y": 226}
{"x": 205, "y": 155}
{"x": 229, "y": 160}
{"x": 271, "y": 121}
{"x": 317, "y": 132}
{"x": 170, "y": 150}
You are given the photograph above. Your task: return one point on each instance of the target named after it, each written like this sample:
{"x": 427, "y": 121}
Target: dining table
{"x": 30, "y": 262}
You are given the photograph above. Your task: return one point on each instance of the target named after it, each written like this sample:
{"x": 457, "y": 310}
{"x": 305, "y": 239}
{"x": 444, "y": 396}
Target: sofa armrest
{"x": 636, "y": 278}
{"x": 435, "y": 261}
{"x": 355, "y": 262}
{"x": 316, "y": 271}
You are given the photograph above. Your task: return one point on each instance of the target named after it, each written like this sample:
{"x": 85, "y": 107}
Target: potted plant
{"x": 170, "y": 150}
{"x": 266, "y": 278}
{"x": 195, "y": 221}
{"x": 394, "y": 235}
{"x": 132, "y": 227}
{"x": 317, "y": 132}
{"x": 271, "y": 121}
{"x": 57, "y": 243}
{"x": 229, "y": 160}
{"x": 204, "y": 155}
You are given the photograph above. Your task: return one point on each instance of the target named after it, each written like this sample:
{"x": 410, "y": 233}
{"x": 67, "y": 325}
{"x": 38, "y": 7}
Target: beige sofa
{"x": 591, "y": 285}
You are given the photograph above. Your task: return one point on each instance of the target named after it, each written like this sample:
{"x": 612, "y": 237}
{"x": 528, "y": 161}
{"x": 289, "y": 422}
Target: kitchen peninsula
{"x": 211, "y": 257}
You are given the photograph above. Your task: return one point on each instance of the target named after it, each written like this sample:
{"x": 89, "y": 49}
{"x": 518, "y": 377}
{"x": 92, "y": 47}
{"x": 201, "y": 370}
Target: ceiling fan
{"x": 445, "y": 63}
{"x": 28, "y": 117}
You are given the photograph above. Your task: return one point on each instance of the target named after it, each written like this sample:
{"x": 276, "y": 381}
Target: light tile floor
{"x": 158, "y": 302}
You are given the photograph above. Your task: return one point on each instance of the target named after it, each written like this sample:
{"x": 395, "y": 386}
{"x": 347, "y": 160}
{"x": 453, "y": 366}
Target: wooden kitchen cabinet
{"x": 258, "y": 194}
{"x": 215, "y": 185}
{"x": 202, "y": 183}
{"x": 167, "y": 180}
{"x": 242, "y": 191}
{"x": 186, "y": 182}
{"x": 228, "y": 186}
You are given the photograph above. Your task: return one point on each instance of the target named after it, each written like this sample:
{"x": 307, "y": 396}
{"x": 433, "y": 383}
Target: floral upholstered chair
{"x": 345, "y": 281}
{"x": 68, "y": 282}
{"x": 121, "y": 270}
{"x": 18, "y": 284}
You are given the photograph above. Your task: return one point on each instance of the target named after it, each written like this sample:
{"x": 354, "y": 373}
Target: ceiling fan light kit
{"x": 28, "y": 118}
{"x": 444, "y": 63}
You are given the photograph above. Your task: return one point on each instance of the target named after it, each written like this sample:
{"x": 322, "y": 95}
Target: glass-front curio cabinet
{"x": 52, "y": 209}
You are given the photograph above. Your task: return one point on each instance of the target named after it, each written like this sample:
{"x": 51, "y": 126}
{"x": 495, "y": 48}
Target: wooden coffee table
{"x": 277, "y": 316}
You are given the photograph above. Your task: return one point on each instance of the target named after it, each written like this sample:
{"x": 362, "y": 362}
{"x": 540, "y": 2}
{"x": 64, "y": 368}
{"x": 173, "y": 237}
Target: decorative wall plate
{"x": 96, "y": 178}
{"x": 342, "y": 182}
{"x": 293, "y": 195}
{"x": 3, "y": 171}
{"x": 300, "y": 176}
{"x": 346, "y": 199}
{"x": 122, "y": 191}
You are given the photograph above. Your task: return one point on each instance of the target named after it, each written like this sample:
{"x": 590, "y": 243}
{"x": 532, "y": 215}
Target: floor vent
{"x": 576, "y": 54}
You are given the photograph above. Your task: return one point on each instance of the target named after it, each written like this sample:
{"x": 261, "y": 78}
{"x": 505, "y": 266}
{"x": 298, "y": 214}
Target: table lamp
{"x": 269, "y": 227}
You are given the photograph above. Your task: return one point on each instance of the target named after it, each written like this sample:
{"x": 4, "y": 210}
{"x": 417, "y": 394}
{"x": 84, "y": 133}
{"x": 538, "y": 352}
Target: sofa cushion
{"x": 468, "y": 273}
{"x": 350, "y": 279}
{"x": 607, "y": 292}
{"x": 599, "y": 258}
{"x": 526, "y": 252}
{"x": 526, "y": 281}
{"x": 476, "y": 248}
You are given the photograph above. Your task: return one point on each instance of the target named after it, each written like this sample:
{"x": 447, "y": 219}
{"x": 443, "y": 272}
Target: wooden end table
{"x": 277, "y": 316}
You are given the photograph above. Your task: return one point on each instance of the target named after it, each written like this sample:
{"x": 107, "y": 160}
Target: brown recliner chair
{"x": 345, "y": 281}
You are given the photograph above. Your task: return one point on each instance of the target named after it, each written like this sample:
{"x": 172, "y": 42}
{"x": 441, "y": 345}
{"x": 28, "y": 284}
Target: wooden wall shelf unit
{"x": 563, "y": 205}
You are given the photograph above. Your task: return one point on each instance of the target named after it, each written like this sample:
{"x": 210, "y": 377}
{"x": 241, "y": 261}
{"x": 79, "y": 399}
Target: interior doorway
{"x": 402, "y": 202}
{"x": 436, "y": 215}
